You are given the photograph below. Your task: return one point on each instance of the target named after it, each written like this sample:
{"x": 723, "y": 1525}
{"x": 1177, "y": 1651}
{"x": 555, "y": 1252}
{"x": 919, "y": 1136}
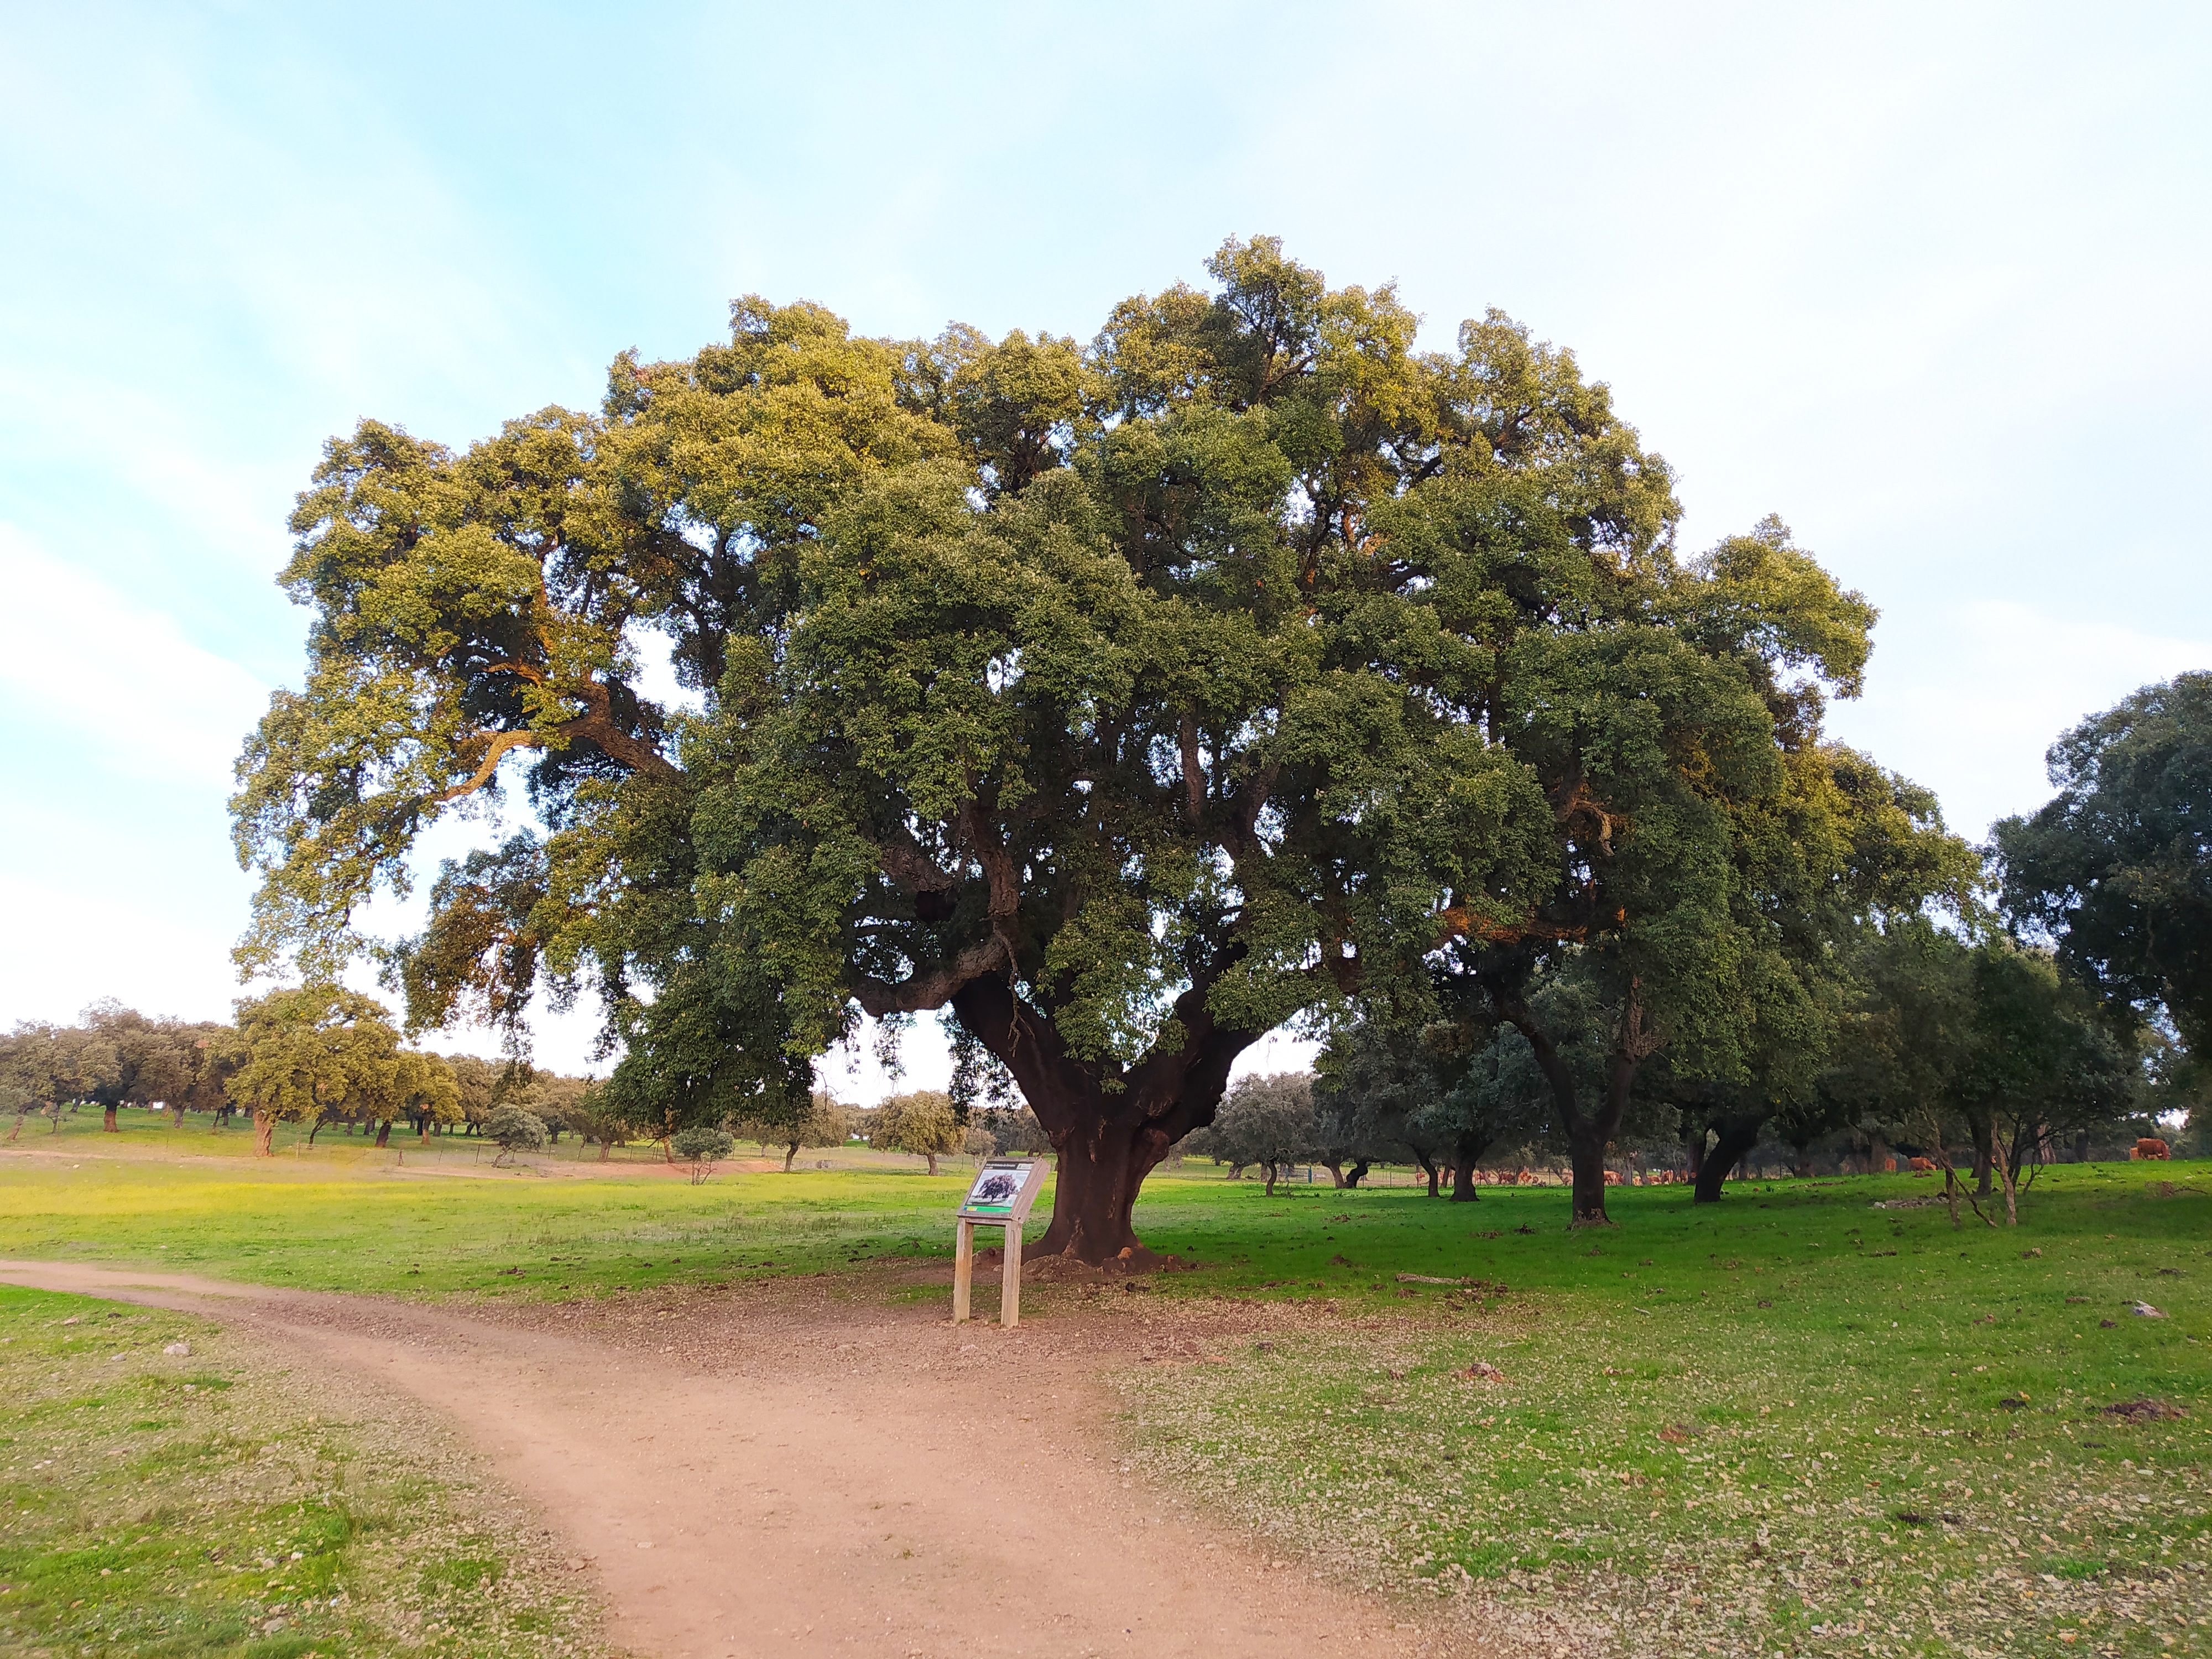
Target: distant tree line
{"x": 318, "y": 1057}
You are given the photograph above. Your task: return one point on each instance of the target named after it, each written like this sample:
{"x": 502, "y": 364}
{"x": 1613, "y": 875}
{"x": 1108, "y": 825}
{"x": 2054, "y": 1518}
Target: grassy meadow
{"x": 156, "y": 1504}
{"x": 1793, "y": 1422}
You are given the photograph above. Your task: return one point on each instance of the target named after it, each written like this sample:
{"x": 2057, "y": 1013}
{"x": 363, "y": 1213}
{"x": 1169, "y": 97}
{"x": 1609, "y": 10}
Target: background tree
{"x": 80, "y": 1063}
{"x": 477, "y": 1085}
{"x": 1341, "y": 1136}
{"x": 513, "y": 1129}
{"x": 1379, "y": 1092}
{"x": 2116, "y": 870}
{"x": 1267, "y": 1120}
{"x": 561, "y": 1101}
{"x": 415, "y": 1087}
{"x": 1011, "y": 1128}
{"x": 310, "y": 1051}
{"x": 922, "y": 1123}
{"x": 2038, "y": 1064}
{"x": 1497, "y": 1095}
{"x": 825, "y": 1123}
{"x": 1716, "y": 856}
{"x": 604, "y": 1121}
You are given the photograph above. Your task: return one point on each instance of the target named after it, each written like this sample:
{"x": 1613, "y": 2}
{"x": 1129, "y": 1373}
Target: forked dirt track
{"x": 783, "y": 1472}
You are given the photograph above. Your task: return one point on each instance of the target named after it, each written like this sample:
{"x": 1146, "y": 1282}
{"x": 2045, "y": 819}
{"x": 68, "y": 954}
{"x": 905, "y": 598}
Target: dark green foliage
{"x": 513, "y": 1129}
{"x": 1124, "y": 701}
{"x": 1266, "y": 1120}
{"x": 2116, "y": 870}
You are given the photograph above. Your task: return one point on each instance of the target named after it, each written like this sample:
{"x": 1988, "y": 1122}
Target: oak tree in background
{"x": 701, "y": 1146}
{"x": 824, "y": 1123}
{"x": 2116, "y": 870}
{"x": 1125, "y": 700}
{"x": 923, "y": 1123}
{"x": 1711, "y": 850}
{"x": 1269, "y": 1120}
{"x": 320, "y": 1051}
{"x": 514, "y": 1128}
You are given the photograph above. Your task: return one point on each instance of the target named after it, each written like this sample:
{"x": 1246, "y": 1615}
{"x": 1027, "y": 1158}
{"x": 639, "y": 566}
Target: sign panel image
{"x": 1004, "y": 1189}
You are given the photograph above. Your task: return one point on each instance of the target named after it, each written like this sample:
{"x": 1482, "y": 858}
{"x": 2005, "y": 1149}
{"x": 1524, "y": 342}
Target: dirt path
{"x": 809, "y": 1475}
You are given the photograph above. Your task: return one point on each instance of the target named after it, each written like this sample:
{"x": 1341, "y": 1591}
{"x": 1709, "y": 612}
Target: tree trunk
{"x": 1357, "y": 1174}
{"x": 1984, "y": 1137}
{"x": 1737, "y": 1132}
{"x": 2004, "y": 1166}
{"x": 1110, "y": 1125}
{"x": 1095, "y": 1196}
{"x": 1694, "y": 1144}
{"x": 790, "y": 1154}
{"x": 265, "y": 1134}
{"x": 1586, "y": 1146}
{"x": 607, "y": 1146}
{"x": 108, "y": 1122}
{"x": 1470, "y": 1147}
{"x": 2081, "y": 1147}
{"x": 384, "y": 1133}
{"x": 932, "y": 1157}
{"x": 1270, "y": 1169}
{"x": 1588, "y": 1133}
{"x": 1335, "y": 1172}
{"x": 313, "y": 1130}
{"x": 1430, "y": 1170}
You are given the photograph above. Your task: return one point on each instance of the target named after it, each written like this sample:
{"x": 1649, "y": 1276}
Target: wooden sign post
{"x": 1004, "y": 1189}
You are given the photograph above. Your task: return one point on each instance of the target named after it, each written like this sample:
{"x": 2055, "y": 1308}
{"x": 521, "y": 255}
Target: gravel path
{"x": 795, "y": 1469}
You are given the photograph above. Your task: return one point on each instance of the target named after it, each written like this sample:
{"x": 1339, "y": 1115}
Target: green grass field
{"x": 1788, "y": 1423}
{"x": 153, "y": 1506}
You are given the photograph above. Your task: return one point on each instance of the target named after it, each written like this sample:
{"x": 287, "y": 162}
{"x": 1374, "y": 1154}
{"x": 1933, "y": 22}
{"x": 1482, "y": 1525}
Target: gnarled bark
{"x": 1735, "y": 1134}
{"x": 1108, "y": 1138}
{"x": 1464, "y": 1153}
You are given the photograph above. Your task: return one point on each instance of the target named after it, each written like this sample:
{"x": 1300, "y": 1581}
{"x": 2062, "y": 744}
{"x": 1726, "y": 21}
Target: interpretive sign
{"x": 1005, "y": 1187}
{"x": 1000, "y": 1196}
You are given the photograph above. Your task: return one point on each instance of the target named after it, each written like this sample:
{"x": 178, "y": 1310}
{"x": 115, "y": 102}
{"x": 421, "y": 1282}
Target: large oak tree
{"x": 1125, "y": 701}
{"x": 2116, "y": 869}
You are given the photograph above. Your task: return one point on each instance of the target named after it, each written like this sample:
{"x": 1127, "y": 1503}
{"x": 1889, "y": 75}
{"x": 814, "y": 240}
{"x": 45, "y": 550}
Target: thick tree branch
{"x": 1193, "y": 777}
{"x": 877, "y": 997}
{"x": 496, "y": 745}
{"x": 597, "y": 726}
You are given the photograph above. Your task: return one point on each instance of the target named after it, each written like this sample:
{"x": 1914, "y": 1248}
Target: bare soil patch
{"x": 797, "y": 1469}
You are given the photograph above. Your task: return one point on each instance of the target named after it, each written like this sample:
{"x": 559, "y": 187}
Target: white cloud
{"x": 79, "y": 655}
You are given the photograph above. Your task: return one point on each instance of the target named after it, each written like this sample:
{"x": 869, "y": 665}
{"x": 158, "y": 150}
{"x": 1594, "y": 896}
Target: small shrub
{"x": 700, "y": 1148}
{"x": 513, "y": 1130}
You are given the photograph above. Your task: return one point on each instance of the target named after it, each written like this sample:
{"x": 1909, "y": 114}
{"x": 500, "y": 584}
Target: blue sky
{"x": 1928, "y": 281}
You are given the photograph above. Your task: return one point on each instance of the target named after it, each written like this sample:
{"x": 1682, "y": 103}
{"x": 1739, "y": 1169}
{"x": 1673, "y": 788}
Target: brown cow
{"x": 2151, "y": 1147}
{"x": 1924, "y": 1166}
